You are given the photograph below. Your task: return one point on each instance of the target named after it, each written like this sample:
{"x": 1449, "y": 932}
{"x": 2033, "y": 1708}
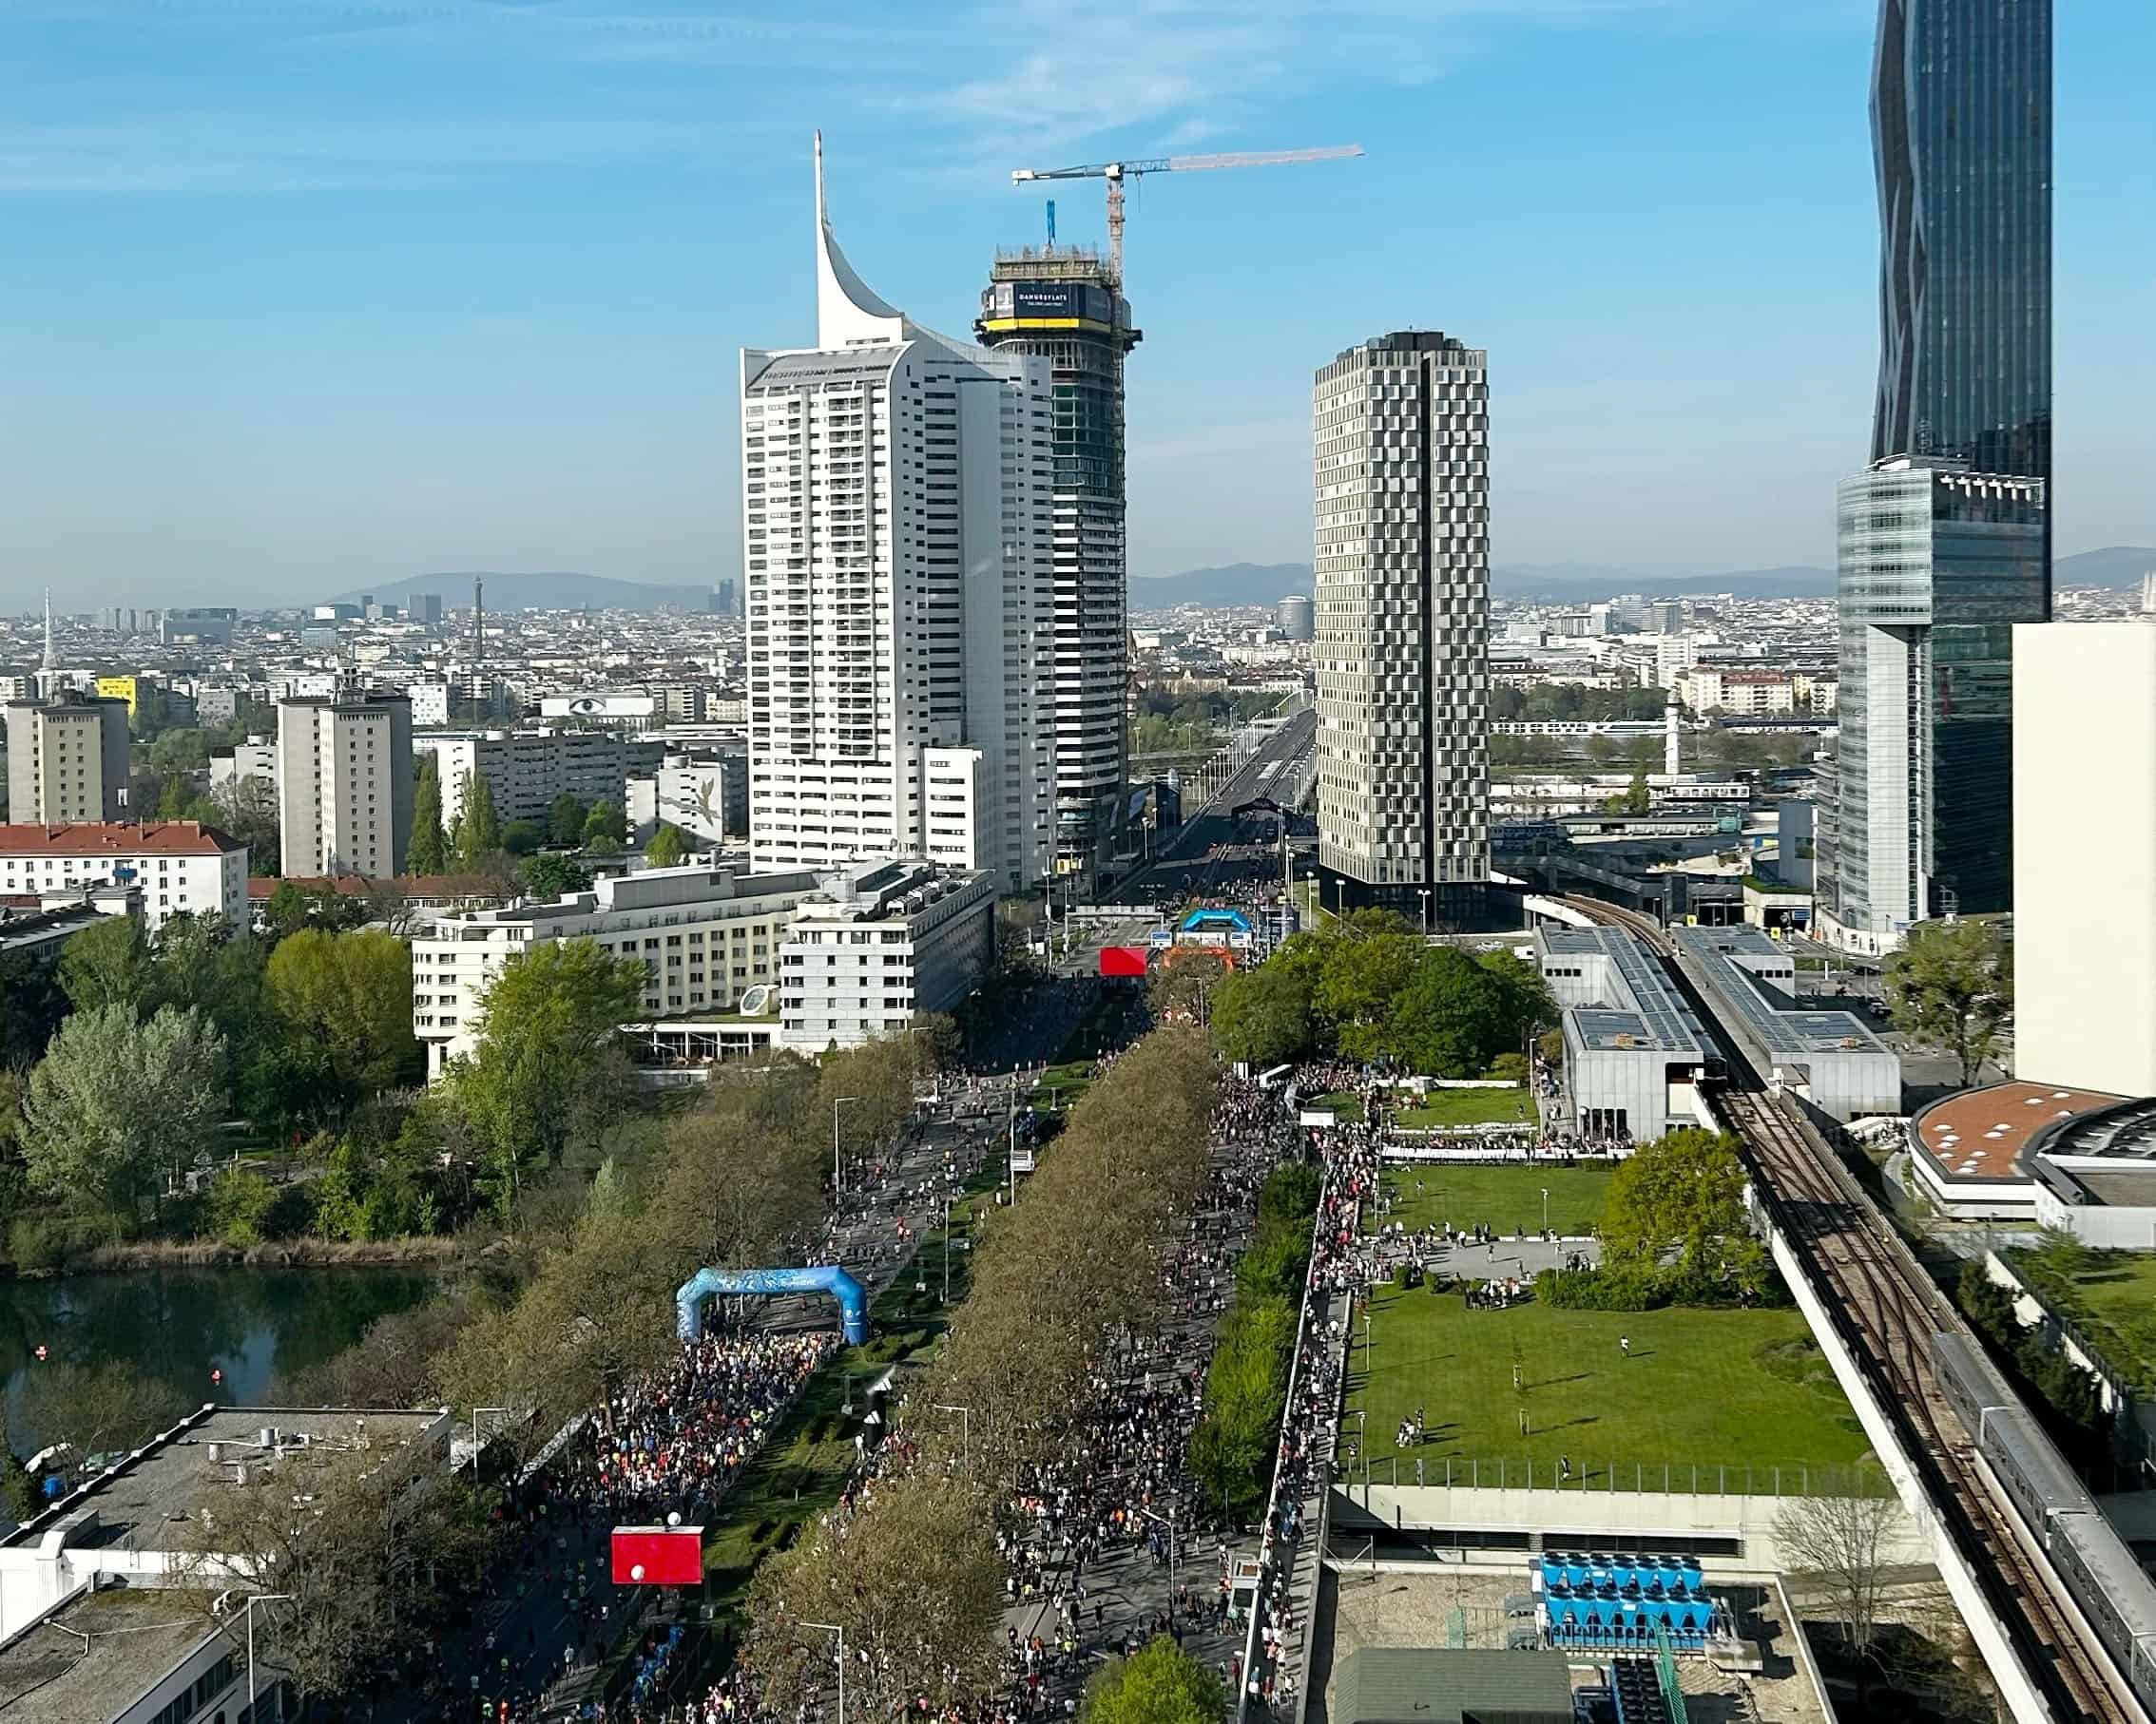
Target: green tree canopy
{"x": 108, "y": 963}
{"x": 1268, "y": 1014}
{"x": 116, "y": 1103}
{"x": 1684, "y": 1193}
{"x": 351, "y": 993}
{"x": 605, "y": 821}
{"x": 1951, "y": 984}
{"x": 551, "y": 875}
{"x": 545, "y": 1026}
{"x": 564, "y": 820}
{"x": 478, "y": 827}
{"x": 428, "y": 851}
{"x": 1162, "y": 1684}
{"x": 667, "y": 845}
{"x": 522, "y": 837}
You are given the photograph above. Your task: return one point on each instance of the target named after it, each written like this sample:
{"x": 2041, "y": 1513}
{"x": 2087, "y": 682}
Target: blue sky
{"x": 297, "y": 294}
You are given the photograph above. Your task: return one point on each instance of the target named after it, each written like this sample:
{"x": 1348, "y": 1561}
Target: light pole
{"x": 1167, "y": 1520}
{"x": 964, "y": 1434}
{"x": 832, "y": 1628}
{"x": 1423, "y": 892}
{"x": 838, "y": 1172}
{"x": 947, "y": 1250}
{"x": 1546, "y": 1209}
{"x": 248, "y": 1613}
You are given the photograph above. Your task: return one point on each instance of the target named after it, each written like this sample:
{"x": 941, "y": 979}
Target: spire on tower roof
{"x": 847, "y": 314}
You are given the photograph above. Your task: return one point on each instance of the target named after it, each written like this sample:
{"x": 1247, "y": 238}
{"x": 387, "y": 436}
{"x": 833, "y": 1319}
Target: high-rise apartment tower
{"x": 66, "y": 760}
{"x": 1401, "y": 561}
{"x": 1063, "y": 304}
{"x": 896, "y": 554}
{"x": 345, "y": 783}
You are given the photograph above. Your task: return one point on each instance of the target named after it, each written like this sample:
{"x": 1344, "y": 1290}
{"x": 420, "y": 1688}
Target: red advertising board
{"x": 657, "y": 1556}
{"x": 1123, "y": 960}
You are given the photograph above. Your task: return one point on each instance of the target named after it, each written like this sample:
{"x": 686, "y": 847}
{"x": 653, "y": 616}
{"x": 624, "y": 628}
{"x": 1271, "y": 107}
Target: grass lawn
{"x": 1468, "y": 1107}
{"x": 1725, "y": 1391}
{"x": 2111, "y": 1298}
{"x": 1345, "y": 1107}
{"x": 1506, "y": 1198}
{"x": 1061, "y": 1085}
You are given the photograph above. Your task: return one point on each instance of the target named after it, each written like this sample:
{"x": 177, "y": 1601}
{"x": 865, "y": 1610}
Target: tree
{"x": 173, "y": 799}
{"x": 605, "y": 821}
{"x": 522, "y": 837}
{"x": 544, "y": 1025}
{"x": 350, "y": 995}
{"x": 1268, "y": 1015}
{"x": 31, "y": 1006}
{"x": 1449, "y": 1020}
{"x": 1683, "y": 1192}
{"x": 564, "y": 820}
{"x": 293, "y": 907}
{"x": 1162, "y": 1684}
{"x": 914, "y": 1580}
{"x": 108, "y": 963}
{"x": 667, "y": 846}
{"x": 246, "y": 808}
{"x": 1951, "y": 984}
{"x": 1843, "y": 1546}
{"x": 1183, "y": 984}
{"x": 98, "y": 1408}
{"x": 1237, "y": 1434}
{"x": 478, "y": 828}
{"x": 1369, "y": 963}
{"x": 549, "y": 875}
{"x": 428, "y": 851}
{"x": 115, "y": 1102}
{"x": 1601, "y": 749}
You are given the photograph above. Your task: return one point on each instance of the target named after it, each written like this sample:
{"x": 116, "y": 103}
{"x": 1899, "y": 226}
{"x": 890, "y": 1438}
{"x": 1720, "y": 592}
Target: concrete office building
{"x": 898, "y": 521}
{"x": 1062, "y": 304}
{"x": 1298, "y": 620}
{"x": 2085, "y": 856}
{"x": 345, "y": 783}
{"x": 879, "y": 945}
{"x": 1937, "y": 565}
{"x": 528, "y": 770}
{"x": 1635, "y": 1052}
{"x": 705, "y": 796}
{"x": 430, "y": 701}
{"x": 1401, "y": 564}
{"x": 705, "y": 936}
{"x": 66, "y": 760}
{"x": 253, "y": 758}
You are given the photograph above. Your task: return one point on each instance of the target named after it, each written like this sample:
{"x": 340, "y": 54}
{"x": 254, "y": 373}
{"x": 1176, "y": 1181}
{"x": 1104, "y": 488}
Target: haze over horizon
{"x": 332, "y": 295}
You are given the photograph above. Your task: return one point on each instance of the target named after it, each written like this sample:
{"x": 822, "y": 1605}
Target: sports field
{"x": 1733, "y": 1394}
{"x": 1508, "y": 1199}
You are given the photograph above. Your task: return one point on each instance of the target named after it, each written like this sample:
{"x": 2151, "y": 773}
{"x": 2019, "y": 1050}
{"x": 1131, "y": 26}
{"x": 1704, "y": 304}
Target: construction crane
{"x": 1116, "y": 173}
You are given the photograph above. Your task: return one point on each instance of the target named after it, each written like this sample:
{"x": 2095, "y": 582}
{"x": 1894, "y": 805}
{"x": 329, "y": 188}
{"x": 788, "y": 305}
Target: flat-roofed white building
{"x": 528, "y": 769}
{"x": 880, "y": 945}
{"x": 705, "y": 936}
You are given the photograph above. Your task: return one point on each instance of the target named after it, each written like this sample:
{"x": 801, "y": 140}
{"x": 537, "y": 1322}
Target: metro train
{"x": 2099, "y": 1572}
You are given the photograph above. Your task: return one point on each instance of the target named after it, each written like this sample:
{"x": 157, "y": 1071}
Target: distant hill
{"x": 562, "y": 591}
{"x": 2116, "y": 566}
{"x": 1237, "y": 583}
{"x": 1548, "y": 584}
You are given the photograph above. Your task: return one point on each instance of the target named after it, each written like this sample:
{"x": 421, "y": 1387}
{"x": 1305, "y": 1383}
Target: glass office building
{"x": 1936, "y": 566}
{"x": 1961, "y": 137}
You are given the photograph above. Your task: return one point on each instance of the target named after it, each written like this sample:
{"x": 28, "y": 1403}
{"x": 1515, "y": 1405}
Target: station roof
{"x": 1983, "y": 1134}
{"x": 134, "y": 1639}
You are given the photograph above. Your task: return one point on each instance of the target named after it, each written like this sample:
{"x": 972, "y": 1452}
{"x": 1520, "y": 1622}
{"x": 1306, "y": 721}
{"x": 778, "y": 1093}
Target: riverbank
{"x": 429, "y": 1252}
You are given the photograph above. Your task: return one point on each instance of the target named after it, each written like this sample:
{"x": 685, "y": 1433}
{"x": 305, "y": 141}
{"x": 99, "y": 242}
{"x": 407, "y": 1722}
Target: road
{"x": 1190, "y": 863}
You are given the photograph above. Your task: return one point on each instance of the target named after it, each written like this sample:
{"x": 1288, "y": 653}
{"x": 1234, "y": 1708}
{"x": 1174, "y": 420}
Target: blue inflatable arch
{"x": 709, "y": 1283}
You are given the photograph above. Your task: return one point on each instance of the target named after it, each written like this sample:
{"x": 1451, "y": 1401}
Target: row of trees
{"x": 1367, "y": 988}
{"x": 475, "y": 841}
{"x": 912, "y": 1574}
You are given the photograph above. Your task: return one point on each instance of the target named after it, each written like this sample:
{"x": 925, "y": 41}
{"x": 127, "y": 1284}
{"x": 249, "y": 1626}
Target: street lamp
{"x": 947, "y": 1248}
{"x": 248, "y": 1614}
{"x": 837, "y": 1175}
{"x": 1167, "y": 1520}
{"x": 1546, "y": 1209}
{"x": 1423, "y": 892}
{"x": 964, "y": 1434}
{"x": 832, "y": 1628}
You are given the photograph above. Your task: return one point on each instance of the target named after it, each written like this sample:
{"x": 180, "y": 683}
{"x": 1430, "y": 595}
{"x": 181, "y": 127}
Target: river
{"x": 176, "y": 1326}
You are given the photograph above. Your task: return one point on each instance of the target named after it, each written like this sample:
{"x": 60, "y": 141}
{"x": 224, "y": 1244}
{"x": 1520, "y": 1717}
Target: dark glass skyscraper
{"x": 1961, "y": 134}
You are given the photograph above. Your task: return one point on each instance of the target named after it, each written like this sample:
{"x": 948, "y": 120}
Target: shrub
{"x": 239, "y": 1205}
{"x": 1513, "y": 1067}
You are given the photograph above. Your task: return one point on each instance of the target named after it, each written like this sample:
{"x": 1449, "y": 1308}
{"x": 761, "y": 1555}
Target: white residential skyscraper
{"x": 345, "y": 783}
{"x": 896, "y": 516}
{"x": 1401, "y": 560}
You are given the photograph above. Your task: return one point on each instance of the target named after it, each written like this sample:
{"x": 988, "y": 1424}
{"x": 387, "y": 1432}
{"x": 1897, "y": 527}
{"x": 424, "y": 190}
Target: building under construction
{"x": 1065, "y": 303}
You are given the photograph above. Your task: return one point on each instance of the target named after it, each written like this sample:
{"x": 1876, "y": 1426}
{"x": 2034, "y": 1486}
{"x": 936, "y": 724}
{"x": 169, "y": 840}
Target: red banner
{"x": 1123, "y": 960}
{"x": 657, "y": 1556}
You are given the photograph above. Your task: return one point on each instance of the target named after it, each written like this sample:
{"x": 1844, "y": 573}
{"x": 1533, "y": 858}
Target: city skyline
{"x": 313, "y": 348}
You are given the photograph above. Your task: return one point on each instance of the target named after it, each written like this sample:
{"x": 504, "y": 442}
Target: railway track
{"x": 1888, "y": 1309}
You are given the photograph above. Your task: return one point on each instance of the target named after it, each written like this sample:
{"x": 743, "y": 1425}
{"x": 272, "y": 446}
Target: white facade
{"x": 528, "y": 770}
{"x": 2085, "y": 854}
{"x": 705, "y": 796}
{"x": 430, "y": 701}
{"x": 880, "y": 945}
{"x": 704, "y": 935}
{"x": 253, "y": 758}
{"x": 1401, "y": 560}
{"x": 344, "y": 784}
{"x": 181, "y": 867}
{"x": 897, "y": 509}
